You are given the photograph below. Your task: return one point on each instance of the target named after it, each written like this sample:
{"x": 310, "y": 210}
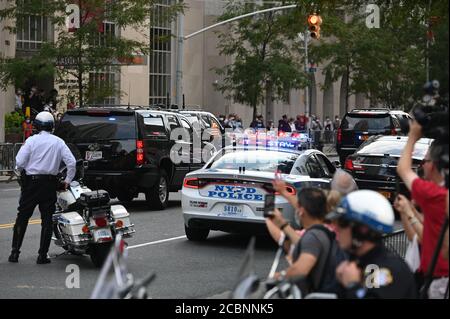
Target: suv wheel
{"x": 157, "y": 197}
{"x": 196, "y": 234}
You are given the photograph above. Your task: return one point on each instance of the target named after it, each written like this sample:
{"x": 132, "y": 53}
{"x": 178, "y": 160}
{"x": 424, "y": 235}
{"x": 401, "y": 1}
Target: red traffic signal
{"x": 314, "y": 22}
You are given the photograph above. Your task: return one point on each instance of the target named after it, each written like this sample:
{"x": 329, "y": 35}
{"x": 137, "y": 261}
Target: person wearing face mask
{"x": 315, "y": 251}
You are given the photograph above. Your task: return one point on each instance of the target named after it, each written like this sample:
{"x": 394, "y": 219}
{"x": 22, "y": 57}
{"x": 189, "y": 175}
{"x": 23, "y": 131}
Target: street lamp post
{"x": 181, "y": 39}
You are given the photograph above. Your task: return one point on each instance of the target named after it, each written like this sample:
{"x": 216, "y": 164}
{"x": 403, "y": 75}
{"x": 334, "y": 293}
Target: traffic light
{"x": 314, "y": 22}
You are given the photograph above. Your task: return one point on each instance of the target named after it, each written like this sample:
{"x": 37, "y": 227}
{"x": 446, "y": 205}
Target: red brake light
{"x": 101, "y": 222}
{"x": 339, "y": 135}
{"x": 191, "y": 183}
{"x": 140, "y": 158}
{"x": 393, "y": 131}
{"x": 351, "y": 166}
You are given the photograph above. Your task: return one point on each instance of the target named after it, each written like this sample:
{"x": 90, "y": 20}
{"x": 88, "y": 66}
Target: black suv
{"x": 129, "y": 150}
{"x": 374, "y": 164}
{"x": 359, "y": 124}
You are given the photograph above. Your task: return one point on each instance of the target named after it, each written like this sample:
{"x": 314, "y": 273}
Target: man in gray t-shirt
{"x": 314, "y": 242}
{"x": 311, "y": 252}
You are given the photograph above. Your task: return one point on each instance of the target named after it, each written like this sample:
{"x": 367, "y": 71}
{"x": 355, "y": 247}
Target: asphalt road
{"x": 184, "y": 269}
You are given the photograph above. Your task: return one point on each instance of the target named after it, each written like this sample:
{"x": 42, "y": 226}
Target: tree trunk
{"x": 269, "y": 102}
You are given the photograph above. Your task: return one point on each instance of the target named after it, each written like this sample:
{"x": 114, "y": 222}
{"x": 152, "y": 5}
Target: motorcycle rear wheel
{"x": 99, "y": 253}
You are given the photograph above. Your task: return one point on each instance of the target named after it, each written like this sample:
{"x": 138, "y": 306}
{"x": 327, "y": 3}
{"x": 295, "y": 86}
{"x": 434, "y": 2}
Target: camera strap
{"x": 432, "y": 266}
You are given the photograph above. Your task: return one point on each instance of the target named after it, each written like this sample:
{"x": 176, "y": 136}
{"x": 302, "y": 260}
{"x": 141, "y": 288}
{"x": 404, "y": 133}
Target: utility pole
{"x": 307, "y": 100}
{"x": 180, "y": 52}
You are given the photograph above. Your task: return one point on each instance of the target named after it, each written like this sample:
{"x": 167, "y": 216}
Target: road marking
{"x": 11, "y": 225}
{"x": 156, "y": 242}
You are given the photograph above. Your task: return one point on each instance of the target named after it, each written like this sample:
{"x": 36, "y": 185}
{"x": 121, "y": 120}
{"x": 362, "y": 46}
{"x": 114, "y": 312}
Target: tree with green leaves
{"x": 80, "y": 54}
{"x": 387, "y": 64}
{"x": 264, "y": 51}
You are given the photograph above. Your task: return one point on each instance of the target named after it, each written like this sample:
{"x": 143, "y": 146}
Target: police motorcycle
{"x": 115, "y": 281}
{"x": 85, "y": 222}
{"x": 249, "y": 286}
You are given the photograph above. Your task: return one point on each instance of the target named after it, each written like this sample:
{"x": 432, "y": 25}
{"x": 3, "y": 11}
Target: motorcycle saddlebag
{"x": 119, "y": 212}
{"x": 71, "y": 224}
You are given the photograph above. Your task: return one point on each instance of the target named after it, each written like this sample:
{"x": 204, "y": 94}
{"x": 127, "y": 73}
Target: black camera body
{"x": 434, "y": 121}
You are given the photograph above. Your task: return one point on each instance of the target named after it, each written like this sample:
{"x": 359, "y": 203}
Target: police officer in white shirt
{"x": 40, "y": 158}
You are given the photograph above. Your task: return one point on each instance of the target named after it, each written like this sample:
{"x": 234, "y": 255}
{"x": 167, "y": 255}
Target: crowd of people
{"x": 302, "y": 123}
{"x": 33, "y": 102}
{"x": 340, "y": 248}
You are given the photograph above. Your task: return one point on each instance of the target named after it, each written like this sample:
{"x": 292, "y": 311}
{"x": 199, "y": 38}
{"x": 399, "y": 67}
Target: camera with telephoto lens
{"x": 432, "y": 115}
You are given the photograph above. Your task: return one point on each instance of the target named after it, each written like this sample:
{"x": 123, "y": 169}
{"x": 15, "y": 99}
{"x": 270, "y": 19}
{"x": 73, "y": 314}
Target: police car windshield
{"x": 258, "y": 160}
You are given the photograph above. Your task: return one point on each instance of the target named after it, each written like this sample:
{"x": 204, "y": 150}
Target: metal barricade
{"x": 8, "y": 152}
{"x": 396, "y": 242}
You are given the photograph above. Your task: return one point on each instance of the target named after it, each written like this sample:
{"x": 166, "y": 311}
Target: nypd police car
{"x": 228, "y": 193}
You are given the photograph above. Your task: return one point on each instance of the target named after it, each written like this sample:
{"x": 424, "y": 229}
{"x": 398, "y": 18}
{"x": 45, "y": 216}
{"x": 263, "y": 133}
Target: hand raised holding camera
{"x": 415, "y": 131}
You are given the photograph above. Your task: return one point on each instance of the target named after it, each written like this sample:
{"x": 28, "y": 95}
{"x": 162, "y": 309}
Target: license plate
{"x": 386, "y": 194}
{"x": 93, "y": 155}
{"x": 231, "y": 210}
{"x": 103, "y": 233}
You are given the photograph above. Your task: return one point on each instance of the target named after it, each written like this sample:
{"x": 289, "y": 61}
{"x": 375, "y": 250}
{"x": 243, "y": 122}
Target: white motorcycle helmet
{"x": 44, "y": 121}
{"x": 368, "y": 208}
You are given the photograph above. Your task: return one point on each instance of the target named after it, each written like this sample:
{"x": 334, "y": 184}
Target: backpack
{"x": 335, "y": 256}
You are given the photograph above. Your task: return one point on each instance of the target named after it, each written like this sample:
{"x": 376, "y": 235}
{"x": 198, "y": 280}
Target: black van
{"x": 129, "y": 150}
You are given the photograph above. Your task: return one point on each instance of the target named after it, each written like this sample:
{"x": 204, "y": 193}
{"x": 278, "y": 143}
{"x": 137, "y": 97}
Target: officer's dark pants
{"x": 35, "y": 192}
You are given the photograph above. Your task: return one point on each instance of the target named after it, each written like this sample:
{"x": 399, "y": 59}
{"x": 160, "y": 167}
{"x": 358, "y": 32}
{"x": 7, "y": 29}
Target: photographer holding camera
{"x": 430, "y": 194}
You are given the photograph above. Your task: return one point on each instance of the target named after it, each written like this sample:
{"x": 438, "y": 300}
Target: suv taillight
{"x": 339, "y": 135}
{"x": 140, "y": 158}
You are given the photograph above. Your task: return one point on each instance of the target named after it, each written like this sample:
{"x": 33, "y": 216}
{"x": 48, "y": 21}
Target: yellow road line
{"x": 11, "y": 225}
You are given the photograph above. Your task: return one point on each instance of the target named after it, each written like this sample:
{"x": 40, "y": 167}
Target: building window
{"x": 107, "y": 79}
{"x": 104, "y": 81}
{"x": 32, "y": 32}
{"x": 161, "y": 54}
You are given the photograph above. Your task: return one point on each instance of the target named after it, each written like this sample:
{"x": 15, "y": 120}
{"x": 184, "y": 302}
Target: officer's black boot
{"x": 18, "y": 235}
{"x": 46, "y": 238}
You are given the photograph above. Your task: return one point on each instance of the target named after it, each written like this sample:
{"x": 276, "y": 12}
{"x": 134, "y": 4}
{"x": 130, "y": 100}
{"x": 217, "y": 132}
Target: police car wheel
{"x": 196, "y": 234}
{"x": 157, "y": 197}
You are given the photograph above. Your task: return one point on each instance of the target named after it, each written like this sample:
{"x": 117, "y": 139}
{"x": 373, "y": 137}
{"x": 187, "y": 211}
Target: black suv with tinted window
{"x": 359, "y": 124}
{"x": 130, "y": 150}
